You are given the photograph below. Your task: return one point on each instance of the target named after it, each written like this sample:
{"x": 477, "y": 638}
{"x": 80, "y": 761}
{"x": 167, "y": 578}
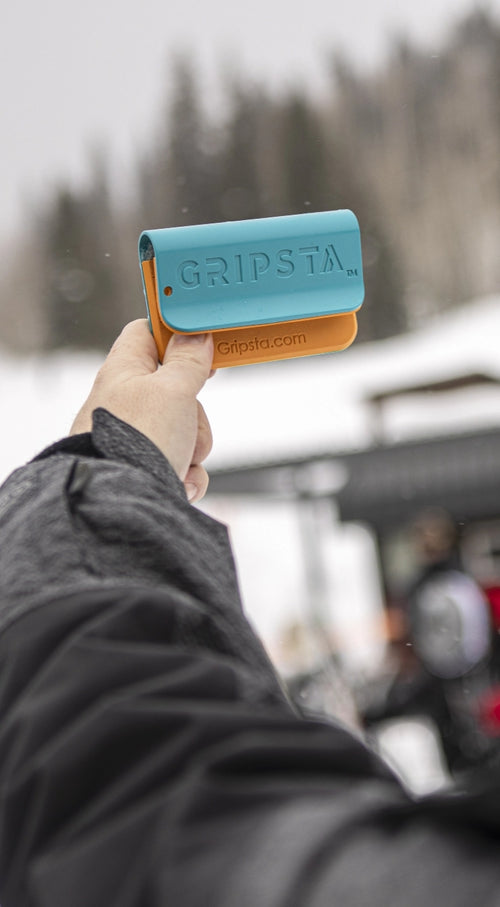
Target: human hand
{"x": 158, "y": 401}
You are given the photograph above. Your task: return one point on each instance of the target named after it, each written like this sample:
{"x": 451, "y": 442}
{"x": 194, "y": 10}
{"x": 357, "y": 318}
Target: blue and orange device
{"x": 269, "y": 288}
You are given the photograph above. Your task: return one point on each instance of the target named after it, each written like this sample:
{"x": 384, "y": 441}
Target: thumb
{"x": 188, "y": 360}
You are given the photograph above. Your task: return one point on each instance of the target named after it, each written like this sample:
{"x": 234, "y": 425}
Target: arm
{"x": 147, "y": 752}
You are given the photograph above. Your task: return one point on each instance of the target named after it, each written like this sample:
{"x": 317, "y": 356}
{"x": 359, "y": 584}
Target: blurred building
{"x": 426, "y": 414}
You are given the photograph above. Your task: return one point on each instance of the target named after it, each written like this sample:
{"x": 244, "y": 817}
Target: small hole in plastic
{"x": 168, "y": 291}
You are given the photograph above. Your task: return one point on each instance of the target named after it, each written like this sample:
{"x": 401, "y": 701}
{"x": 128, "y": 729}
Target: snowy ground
{"x": 285, "y": 408}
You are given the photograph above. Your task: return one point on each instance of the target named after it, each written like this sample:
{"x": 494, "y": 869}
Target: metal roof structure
{"x": 385, "y": 485}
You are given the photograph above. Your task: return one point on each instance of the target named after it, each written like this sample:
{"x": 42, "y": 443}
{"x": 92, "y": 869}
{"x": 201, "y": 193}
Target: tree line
{"x": 413, "y": 149}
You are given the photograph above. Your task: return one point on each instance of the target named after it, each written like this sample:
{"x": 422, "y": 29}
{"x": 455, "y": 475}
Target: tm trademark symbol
{"x": 352, "y": 272}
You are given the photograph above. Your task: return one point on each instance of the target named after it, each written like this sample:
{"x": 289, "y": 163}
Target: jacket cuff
{"x": 113, "y": 439}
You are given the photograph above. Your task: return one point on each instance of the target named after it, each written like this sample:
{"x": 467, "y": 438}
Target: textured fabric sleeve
{"x": 148, "y": 755}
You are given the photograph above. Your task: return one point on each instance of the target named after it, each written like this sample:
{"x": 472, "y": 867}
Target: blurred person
{"x": 148, "y": 753}
{"x": 443, "y": 648}
{"x": 436, "y": 540}
{"x": 451, "y": 633}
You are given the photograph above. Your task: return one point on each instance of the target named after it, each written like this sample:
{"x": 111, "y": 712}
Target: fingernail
{"x": 191, "y": 491}
{"x": 188, "y": 338}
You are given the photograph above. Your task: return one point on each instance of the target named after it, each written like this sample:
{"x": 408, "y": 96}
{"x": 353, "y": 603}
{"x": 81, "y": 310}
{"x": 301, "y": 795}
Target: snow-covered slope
{"x": 286, "y": 408}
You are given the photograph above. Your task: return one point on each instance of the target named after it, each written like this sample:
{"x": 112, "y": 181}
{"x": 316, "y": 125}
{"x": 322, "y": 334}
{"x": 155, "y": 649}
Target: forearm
{"x": 102, "y": 508}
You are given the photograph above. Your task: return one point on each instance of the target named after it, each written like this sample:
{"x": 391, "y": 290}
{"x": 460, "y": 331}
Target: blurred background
{"x": 332, "y": 472}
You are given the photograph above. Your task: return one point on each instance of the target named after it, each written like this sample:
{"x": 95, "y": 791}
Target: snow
{"x": 285, "y": 408}
{"x": 40, "y": 396}
{"x": 320, "y": 403}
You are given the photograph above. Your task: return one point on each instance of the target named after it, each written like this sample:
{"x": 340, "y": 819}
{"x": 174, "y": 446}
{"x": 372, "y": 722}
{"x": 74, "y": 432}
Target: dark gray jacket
{"x": 148, "y": 755}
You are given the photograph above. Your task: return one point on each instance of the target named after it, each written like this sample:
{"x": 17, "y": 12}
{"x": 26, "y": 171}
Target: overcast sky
{"x": 73, "y": 75}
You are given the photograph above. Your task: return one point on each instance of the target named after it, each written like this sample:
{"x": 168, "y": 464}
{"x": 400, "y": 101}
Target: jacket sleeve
{"x": 148, "y": 754}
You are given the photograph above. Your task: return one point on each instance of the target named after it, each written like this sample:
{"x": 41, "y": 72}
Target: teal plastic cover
{"x": 262, "y": 271}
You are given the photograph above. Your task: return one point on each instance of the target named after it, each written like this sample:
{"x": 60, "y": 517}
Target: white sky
{"x": 77, "y": 75}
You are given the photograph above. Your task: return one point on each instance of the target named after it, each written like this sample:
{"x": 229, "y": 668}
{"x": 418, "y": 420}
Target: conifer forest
{"x": 413, "y": 148}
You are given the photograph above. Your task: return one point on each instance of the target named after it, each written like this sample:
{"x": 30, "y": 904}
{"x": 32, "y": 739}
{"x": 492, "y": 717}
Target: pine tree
{"x": 79, "y": 298}
{"x": 240, "y": 170}
{"x": 305, "y": 172}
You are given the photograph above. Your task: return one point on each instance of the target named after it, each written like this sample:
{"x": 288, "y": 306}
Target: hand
{"x": 158, "y": 401}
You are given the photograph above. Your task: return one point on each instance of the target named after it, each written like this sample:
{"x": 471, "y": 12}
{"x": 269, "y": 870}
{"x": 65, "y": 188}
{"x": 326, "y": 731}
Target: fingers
{"x": 159, "y": 401}
{"x": 196, "y": 478}
{"x": 196, "y": 483}
{"x": 134, "y": 349}
{"x": 188, "y": 361}
{"x": 204, "y": 439}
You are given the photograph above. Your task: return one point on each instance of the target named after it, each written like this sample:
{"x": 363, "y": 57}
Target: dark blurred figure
{"x": 448, "y": 614}
{"x": 448, "y": 645}
{"x": 450, "y": 628}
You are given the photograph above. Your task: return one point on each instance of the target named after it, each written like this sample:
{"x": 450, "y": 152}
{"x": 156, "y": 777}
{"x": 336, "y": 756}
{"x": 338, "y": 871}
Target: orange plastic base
{"x": 263, "y": 342}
